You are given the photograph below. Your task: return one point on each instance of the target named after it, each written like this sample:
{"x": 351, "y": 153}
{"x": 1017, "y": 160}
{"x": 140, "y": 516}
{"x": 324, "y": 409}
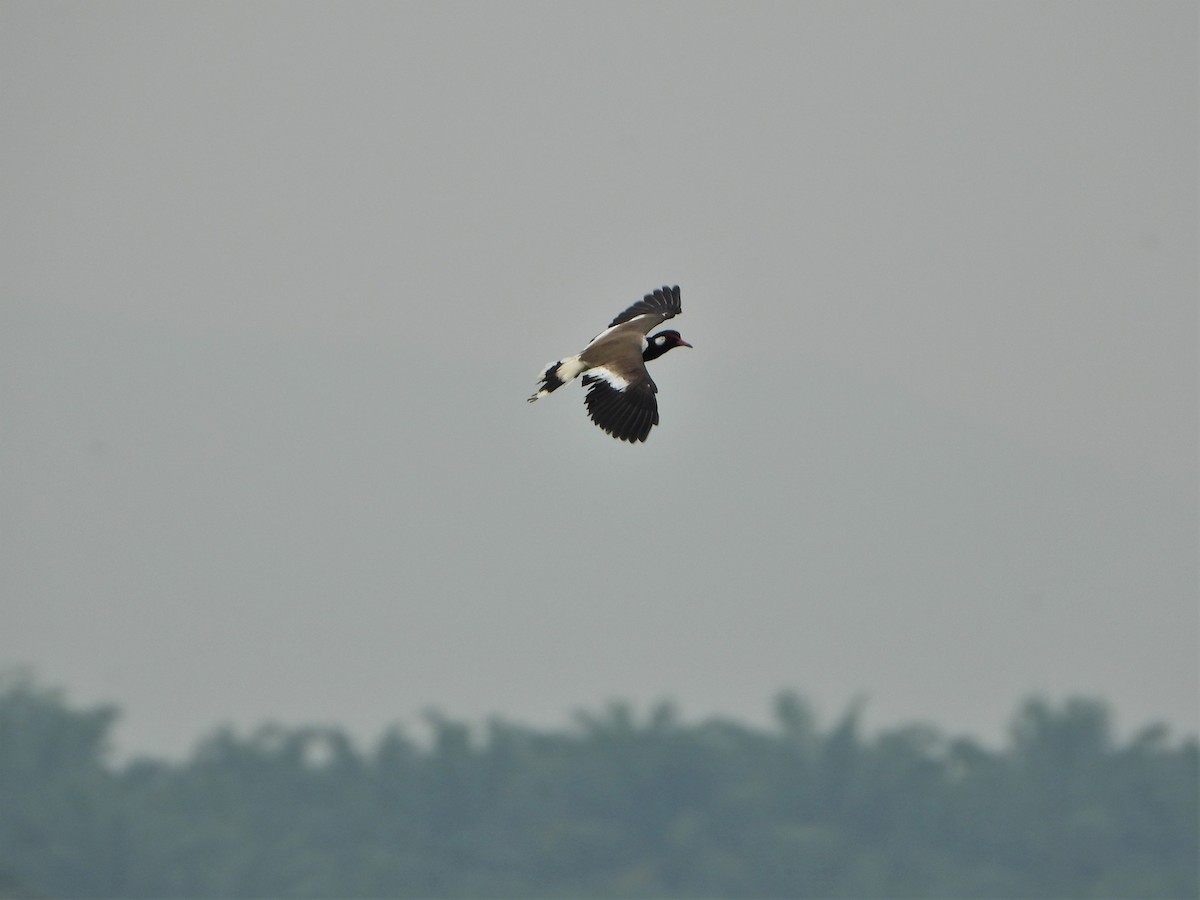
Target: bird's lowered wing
{"x": 620, "y": 398}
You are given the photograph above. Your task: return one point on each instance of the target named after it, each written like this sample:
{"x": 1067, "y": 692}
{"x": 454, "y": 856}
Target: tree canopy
{"x": 616, "y": 804}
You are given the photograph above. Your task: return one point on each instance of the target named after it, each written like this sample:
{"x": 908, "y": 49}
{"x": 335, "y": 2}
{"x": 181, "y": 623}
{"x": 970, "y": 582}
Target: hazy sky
{"x": 277, "y": 278}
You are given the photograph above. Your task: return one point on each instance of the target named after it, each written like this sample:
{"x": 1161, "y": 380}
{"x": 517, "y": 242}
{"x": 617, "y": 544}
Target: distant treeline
{"x": 616, "y": 805}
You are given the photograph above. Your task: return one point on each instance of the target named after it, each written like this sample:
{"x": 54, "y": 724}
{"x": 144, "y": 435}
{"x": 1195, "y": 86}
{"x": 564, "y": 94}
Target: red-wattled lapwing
{"x": 620, "y": 397}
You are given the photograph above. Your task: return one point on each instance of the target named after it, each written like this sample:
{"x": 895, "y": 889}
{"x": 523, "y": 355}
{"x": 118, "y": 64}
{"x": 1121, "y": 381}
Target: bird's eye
{"x": 660, "y": 340}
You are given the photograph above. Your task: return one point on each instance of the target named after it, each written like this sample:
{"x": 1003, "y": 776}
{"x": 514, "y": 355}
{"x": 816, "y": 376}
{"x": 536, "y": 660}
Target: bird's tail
{"x": 557, "y": 374}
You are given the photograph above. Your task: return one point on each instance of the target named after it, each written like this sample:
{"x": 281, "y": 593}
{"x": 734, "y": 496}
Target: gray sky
{"x": 277, "y": 278}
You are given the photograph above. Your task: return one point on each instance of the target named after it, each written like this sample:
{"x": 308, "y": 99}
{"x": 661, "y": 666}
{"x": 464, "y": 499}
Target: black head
{"x": 661, "y": 343}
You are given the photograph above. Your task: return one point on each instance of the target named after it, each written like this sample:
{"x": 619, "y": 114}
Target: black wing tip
{"x": 632, "y": 432}
{"x": 664, "y": 301}
{"x": 667, "y": 294}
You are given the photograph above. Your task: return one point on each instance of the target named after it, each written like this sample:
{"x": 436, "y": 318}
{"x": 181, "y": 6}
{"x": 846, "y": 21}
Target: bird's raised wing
{"x": 663, "y": 303}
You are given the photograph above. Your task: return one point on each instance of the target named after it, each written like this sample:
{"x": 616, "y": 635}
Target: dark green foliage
{"x": 615, "y": 806}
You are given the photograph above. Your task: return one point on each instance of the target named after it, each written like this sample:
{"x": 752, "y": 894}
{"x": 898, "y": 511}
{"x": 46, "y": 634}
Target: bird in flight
{"x": 620, "y": 392}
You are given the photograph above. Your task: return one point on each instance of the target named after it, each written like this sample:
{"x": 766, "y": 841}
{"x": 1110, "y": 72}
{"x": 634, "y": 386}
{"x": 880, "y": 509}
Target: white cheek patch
{"x": 610, "y": 377}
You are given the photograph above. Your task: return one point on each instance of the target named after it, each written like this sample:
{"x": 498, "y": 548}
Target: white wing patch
{"x": 614, "y": 380}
